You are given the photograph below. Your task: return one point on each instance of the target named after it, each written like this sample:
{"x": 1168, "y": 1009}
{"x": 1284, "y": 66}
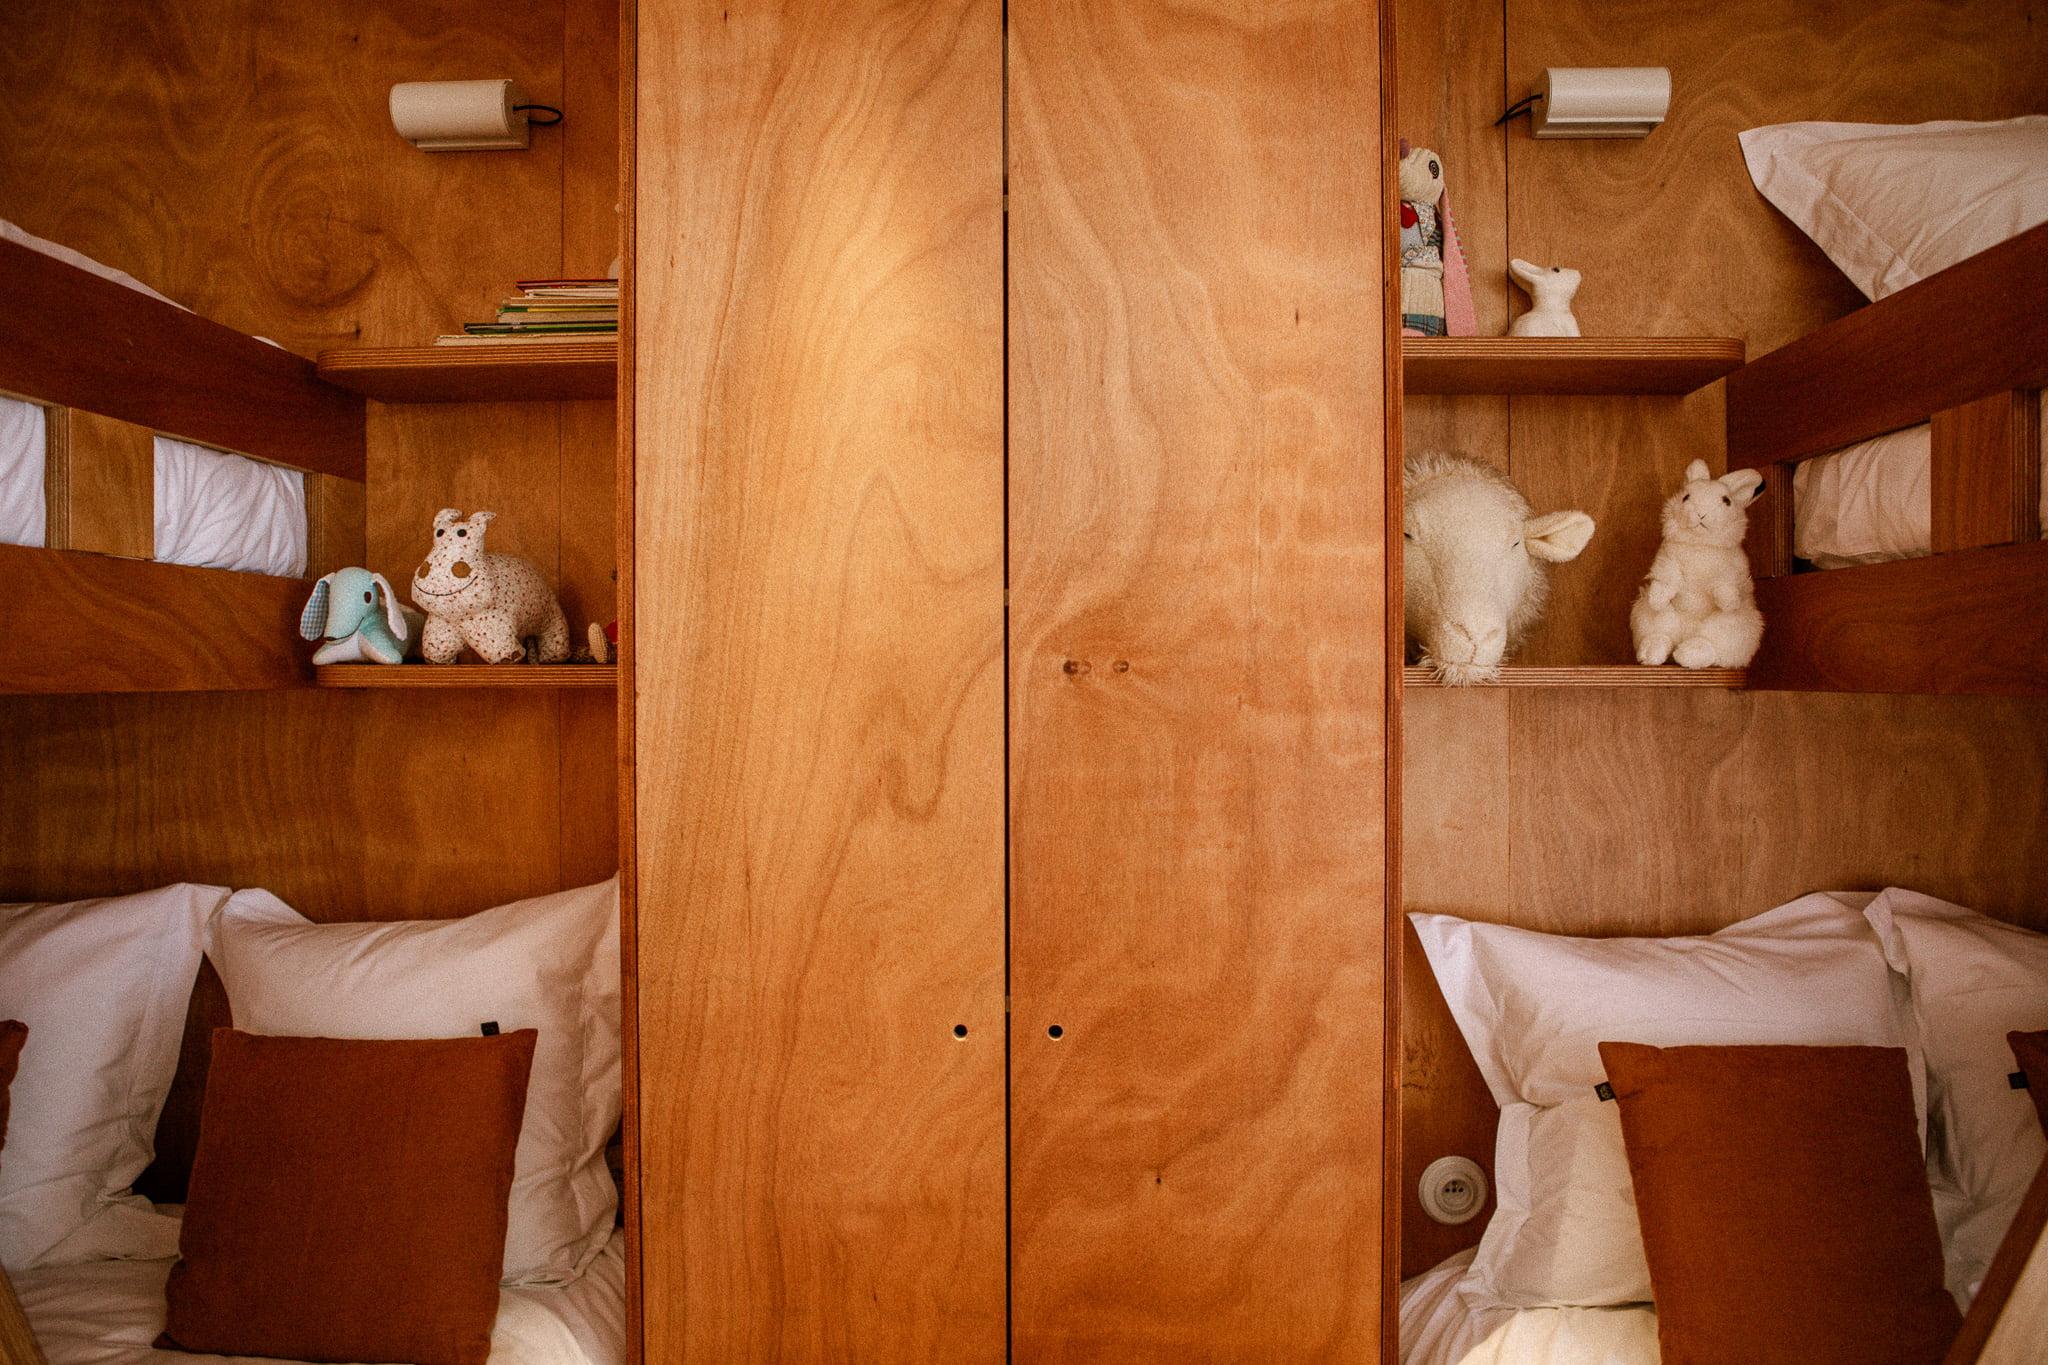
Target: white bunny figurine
{"x": 1551, "y": 290}
{"x": 1698, "y": 605}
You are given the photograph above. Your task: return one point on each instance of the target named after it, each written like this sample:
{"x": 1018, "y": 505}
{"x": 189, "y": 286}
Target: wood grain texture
{"x": 511, "y": 372}
{"x": 1450, "y": 87}
{"x": 1596, "y": 675}
{"x": 99, "y": 484}
{"x": 1393, "y": 610}
{"x": 2008, "y": 1320}
{"x": 1984, "y": 485}
{"x": 70, "y": 337}
{"x": 1872, "y": 371}
{"x": 356, "y": 828}
{"x": 238, "y": 155}
{"x": 336, "y": 524}
{"x": 1566, "y": 365}
{"x": 1198, "y": 681}
{"x": 817, "y": 654}
{"x": 17, "y": 1343}
{"x": 1968, "y": 621}
{"x": 624, "y": 473}
{"x": 78, "y": 622}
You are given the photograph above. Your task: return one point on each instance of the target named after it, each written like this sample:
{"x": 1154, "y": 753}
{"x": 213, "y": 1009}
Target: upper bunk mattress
{"x": 1869, "y": 502}
{"x": 23, "y": 513}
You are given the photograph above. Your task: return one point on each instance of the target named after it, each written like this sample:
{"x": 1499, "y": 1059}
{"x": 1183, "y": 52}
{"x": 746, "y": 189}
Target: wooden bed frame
{"x": 113, "y": 367}
{"x": 1964, "y": 350}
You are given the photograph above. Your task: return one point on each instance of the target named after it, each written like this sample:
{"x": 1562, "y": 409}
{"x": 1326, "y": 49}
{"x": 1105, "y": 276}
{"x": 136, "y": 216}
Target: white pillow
{"x": 1972, "y": 981}
{"x": 1891, "y": 204}
{"x": 1534, "y": 1009}
{"x": 550, "y": 963}
{"x": 104, "y": 987}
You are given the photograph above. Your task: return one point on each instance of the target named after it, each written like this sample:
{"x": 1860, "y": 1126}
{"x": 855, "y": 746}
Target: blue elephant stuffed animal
{"x": 361, "y": 620}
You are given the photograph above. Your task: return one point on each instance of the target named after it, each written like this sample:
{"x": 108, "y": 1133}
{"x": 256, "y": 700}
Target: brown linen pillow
{"x": 2030, "y": 1050}
{"x": 348, "y": 1198}
{"x": 1784, "y": 1204}
{"x": 13, "y": 1033}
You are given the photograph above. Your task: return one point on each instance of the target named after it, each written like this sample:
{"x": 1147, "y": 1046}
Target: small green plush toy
{"x": 361, "y": 620}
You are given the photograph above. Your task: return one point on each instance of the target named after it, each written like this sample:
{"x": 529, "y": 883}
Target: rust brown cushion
{"x": 348, "y": 1198}
{"x": 13, "y": 1033}
{"x": 1784, "y": 1204}
{"x": 2030, "y": 1050}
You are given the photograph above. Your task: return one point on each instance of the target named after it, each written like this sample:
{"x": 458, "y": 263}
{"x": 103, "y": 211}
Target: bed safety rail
{"x": 1965, "y": 351}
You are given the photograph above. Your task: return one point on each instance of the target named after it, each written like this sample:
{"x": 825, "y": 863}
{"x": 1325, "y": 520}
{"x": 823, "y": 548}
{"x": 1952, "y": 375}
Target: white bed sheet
{"x": 108, "y": 1313}
{"x": 1438, "y": 1327}
{"x": 23, "y": 515}
{"x": 1869, "y": 502}
{"x": 220, "y": 511}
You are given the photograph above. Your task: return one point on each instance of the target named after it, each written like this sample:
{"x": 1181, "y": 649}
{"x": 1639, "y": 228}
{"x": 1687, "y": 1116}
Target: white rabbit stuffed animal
{"x": 1698, "y": 605}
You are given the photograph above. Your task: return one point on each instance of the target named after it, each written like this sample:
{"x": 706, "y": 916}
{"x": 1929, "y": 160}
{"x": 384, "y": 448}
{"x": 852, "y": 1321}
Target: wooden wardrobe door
{"x": 1198, "y": 679}
{"x": 818, "y": 625}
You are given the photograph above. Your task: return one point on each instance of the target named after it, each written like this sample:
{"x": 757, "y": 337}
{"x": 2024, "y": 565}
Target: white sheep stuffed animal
{"x": 1698, "y": 605}
{"x": 1474, "y": 563}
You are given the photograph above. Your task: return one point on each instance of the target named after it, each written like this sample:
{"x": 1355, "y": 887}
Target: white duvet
{"x": 108, "y": 1313}
{"x": 1439, "y": 1328}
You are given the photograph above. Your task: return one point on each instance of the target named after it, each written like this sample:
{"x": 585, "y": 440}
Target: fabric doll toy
{"x": 1436, "y": 286}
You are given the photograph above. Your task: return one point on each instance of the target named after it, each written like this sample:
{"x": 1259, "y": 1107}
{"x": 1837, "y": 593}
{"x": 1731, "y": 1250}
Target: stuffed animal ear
{"x": 479, "y": 521}
{"x": 1557, "y": 536}
{"x": 1745, "y": 484}
{"x": 447, "y": 517}
{"x": 1697, "y": 472}
{"x": 393, "y": 616}
{"x": 313, "y": 620}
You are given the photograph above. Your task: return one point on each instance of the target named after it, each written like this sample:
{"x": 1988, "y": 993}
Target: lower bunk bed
{"x": 1820, "y": 1133}
{"x": 374, "y": 1141}
{"x": 111, "y": 1312}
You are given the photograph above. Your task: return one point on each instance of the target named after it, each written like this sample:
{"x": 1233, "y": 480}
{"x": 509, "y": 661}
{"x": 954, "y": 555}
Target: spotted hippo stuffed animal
{"x": 492, "y": 603}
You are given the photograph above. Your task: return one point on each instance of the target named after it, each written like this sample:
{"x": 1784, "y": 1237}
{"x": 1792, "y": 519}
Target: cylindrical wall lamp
{"x": 464, "y": 116}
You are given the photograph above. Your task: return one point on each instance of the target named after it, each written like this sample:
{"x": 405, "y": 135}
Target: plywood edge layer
{"x": 513, "y": 371}
{"x": 1594, "y": 675}
{"x": 1566, "y": 365}
{"x": 524, "y": 676}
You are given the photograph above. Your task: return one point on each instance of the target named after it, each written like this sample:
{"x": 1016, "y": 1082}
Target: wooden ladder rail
{"x": 2008, "y": 1321}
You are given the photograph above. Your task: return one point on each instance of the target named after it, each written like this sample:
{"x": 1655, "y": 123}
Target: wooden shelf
{"x": 1566, "y": 365}
{"x": 467, "y": 675}
{"x": 514, "y": 371}
{"x": 1596, "y": 675}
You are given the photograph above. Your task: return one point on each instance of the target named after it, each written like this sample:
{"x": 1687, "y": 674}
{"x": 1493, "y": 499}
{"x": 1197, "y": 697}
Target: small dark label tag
{"x": 1604, "y": 1090}
{"x": 2018, "y": 1080}
{"x": 490, "y": 1028}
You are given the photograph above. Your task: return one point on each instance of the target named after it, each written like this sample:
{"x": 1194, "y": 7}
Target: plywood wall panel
{"x": 1196, "y": 681}
{"x": 1670, "y": 233}
{"x": 368, "y": 819}
{"x": 818, "y": 642}
{"x": 238, "y": 155}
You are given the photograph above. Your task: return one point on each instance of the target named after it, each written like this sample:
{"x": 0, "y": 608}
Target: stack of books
{"x": 547, "y": 310}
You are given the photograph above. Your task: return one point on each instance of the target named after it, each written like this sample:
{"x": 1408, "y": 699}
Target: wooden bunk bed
{"x": 1963, "y": 350}
{"x": 113, "y": 366}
